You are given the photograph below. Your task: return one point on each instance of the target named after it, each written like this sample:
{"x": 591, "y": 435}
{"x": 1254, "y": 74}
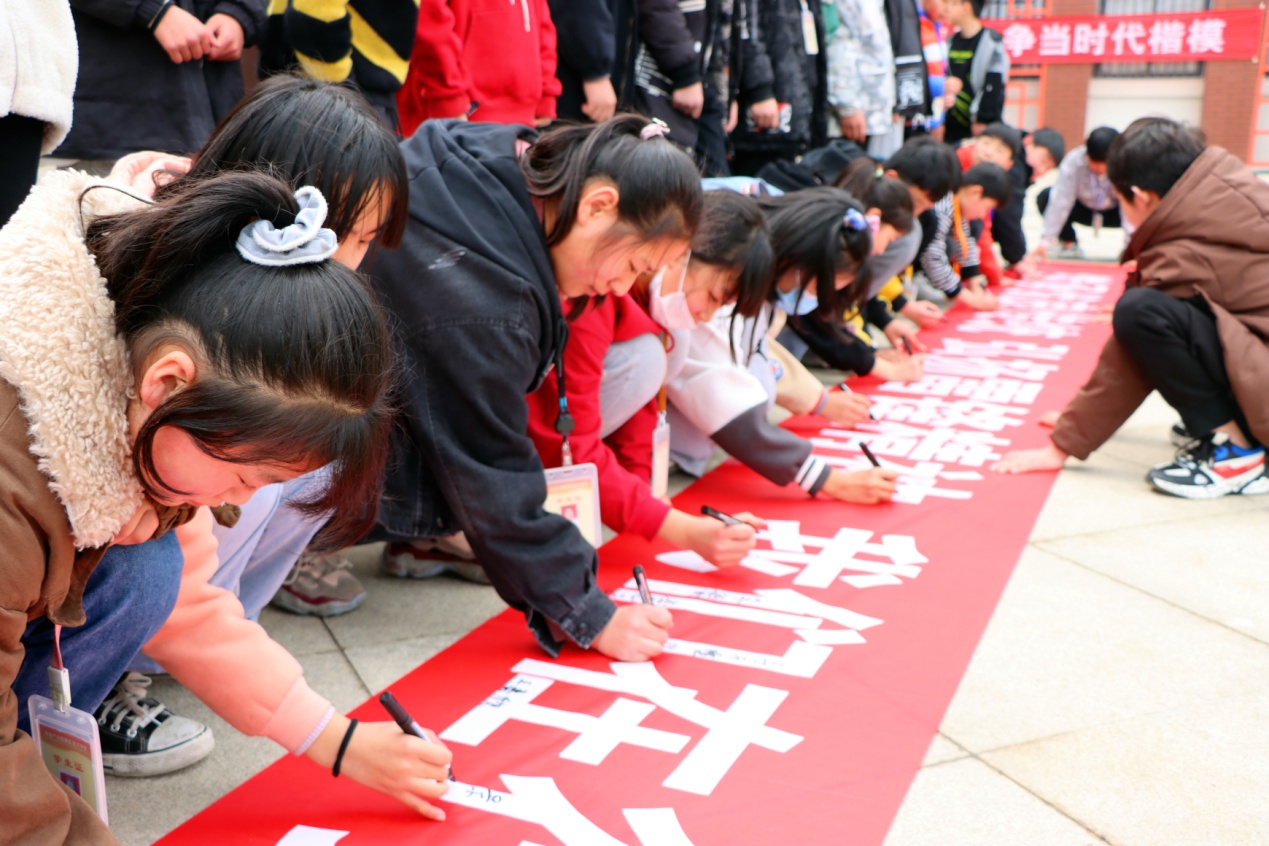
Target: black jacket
{"x": 594, "y": 39}
{"x": 773, "y": 61}
{"x": 675, "y": 47}
{"x": 129, "y": 95}
{"x": 479, "y": 322}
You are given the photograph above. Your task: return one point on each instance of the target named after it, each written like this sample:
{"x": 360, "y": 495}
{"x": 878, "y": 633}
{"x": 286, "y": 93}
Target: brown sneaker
{"x": 320, "y": 584}
{"x": 431, "y": 557}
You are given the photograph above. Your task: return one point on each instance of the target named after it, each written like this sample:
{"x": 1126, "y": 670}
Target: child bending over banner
{"x": 1191, "y": 323}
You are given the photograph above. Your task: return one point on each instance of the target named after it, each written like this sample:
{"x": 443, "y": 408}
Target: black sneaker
{"x": 1210, "y": 467}
{"x": 141, "y": 737}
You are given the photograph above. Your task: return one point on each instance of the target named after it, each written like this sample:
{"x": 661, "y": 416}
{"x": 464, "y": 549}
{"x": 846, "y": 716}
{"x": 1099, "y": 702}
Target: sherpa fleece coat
{"x": 1208, "y": 237}
{"x": 67, "y": 487}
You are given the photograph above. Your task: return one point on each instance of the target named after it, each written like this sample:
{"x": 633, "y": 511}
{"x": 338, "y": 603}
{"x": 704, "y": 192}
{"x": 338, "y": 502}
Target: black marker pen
{"x": 868, "y": 454}
{"x": 405, "y": 721}
{"x": 718, "y": 515}
{"x": 907, "y": 346}
{"x": 641, "y": 581}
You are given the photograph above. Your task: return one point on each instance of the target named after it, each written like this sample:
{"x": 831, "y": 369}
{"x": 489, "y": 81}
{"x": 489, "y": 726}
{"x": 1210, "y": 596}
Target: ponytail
{"x": 658, "y": 185}
{"x": 294, "y": 361}
{"x": 816, "y": 231}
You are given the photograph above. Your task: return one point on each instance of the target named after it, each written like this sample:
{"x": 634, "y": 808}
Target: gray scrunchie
{"x": 303, "y": 242}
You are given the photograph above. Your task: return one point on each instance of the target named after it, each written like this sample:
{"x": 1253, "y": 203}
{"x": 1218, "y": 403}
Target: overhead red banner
{"x": 1216, "y": 35}
{"x": 800, "y": 690}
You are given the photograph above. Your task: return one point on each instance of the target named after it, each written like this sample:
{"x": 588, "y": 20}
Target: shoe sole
{"x": 296, "y": 604}
{"x": 159, "y": 763}
{"x": 1254, "y": 487}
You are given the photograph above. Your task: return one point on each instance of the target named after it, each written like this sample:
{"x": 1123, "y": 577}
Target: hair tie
{"x": 854, "y": 219}
{"x": 656, "y": 129}
{"x": 303, "y": 242}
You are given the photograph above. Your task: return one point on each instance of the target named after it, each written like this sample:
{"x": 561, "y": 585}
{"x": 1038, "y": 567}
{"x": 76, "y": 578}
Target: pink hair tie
{"x": 657, "y": 129}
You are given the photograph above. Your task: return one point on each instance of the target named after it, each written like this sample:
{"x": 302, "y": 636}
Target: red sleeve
{"x": 626, "y": 501}
{"x": 987, "y": 262}
{"x": 437, "y": 84}
{"x": 551, "y": 87}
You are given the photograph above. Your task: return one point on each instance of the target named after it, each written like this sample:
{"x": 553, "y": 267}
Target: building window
{"x": 1148, "y": 70}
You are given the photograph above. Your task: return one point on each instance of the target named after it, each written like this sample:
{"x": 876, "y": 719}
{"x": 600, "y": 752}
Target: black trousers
{"x": 1080, "y": 213}
{"x": 1175, "y": 344}
{"x": 20, "y": 140}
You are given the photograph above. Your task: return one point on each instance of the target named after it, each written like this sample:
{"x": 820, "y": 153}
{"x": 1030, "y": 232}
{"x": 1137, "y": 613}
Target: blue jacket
{"x": 479, "y": 323}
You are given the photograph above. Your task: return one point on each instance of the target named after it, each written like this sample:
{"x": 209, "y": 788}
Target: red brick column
{"x": 1230, "y": 92}
{"x": 1066, "y": 86}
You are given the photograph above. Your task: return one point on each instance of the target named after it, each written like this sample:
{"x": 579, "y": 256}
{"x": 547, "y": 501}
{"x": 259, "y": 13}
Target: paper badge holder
{"x": 70, "y": 746}
{"x": 573, "y": 493}
{"x": 661, "y": 458}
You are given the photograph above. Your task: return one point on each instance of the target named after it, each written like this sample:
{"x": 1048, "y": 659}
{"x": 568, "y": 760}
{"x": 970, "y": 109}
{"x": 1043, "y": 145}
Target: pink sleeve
{"x": 227, "y": 661}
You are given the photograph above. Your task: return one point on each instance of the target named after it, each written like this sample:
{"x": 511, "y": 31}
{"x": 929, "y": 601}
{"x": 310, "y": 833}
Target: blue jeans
{"x": 128, "y": 597}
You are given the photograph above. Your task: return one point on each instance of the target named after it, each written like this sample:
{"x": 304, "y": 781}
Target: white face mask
{"x": 671, "y": 310}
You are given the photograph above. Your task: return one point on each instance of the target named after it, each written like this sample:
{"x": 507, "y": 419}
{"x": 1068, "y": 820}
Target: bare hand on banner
{"x": 847, "y": 408}
{"x": 384, "y": 758}
{"x": 1031, "y": 460}
{"x": 635, "y": 633}
{"x": 865, "y": 487}
{"x": 923, "y": 313}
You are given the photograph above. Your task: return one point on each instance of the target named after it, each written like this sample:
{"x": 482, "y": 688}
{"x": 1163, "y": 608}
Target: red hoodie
{"x": 496, "y": 55}
{"x": 624, "y": 458}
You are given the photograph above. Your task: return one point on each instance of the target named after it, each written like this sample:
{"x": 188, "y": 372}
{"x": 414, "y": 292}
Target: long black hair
{"x": 294, "y": 362}
{"x": 862, "y": 179}
{"x": 811, "y": 233}
{"x": 315, "y": 133}
{"x": 733, "y": 236}
{"x": 658, "y": 185}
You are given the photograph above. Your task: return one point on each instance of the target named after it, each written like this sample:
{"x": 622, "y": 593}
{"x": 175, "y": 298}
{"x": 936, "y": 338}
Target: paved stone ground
{"x": 1119, "y": 695}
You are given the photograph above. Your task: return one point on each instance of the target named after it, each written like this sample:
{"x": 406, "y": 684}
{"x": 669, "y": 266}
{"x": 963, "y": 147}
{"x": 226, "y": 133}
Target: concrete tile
{"x": 402, "y": 609}
{"x": 381, "y": 665}
{"x": 966, "y": 803}
{"x": 1107, "y": 492}
{"x": 1069, "y": 649}
{"x": 300, "y": 634}
{"x": 1185, "y": 777}
{"x": 941, "y": 751}
{"x": 144, "y": 809}
{"x": 1204, "y": 565}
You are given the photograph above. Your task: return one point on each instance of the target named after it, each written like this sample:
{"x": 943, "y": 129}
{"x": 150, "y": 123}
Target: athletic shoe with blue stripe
{"x": 1212, "y": 466}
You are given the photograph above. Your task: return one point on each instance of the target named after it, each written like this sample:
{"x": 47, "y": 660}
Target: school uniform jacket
{"x": 624, "y": 458}
{"x": 63, "y": 497}
{"x": 479, "y": 323}
{"x": 1208, "y": 237}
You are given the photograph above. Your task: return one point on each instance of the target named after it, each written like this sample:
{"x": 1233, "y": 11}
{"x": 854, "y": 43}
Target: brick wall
{"x": 1066, "y": 86}
{"x": 1230, "y": 92}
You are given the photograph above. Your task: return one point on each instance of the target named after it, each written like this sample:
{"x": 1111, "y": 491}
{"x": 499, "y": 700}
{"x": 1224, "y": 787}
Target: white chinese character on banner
{"x": 1000, "y": 349}
{"x": 1017, "y": 39}
{"x": 955, "y": 414}
{"x": 1001, "y": 391}
{"x": 1129, "y": 35}
{"x": 1055, "y": 39}
{"x": 1207, "y": 36}
{"x": 539, "y": 801}
{"x": 1167, "y": 38}
{"x": 1089, "y": 40}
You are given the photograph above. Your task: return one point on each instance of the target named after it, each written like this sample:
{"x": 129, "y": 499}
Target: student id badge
{"x": 661, "y": 458}
{"x": 71, "y": 749}
{"x": 810, "y": 38}
{"x": 573, "y": 493}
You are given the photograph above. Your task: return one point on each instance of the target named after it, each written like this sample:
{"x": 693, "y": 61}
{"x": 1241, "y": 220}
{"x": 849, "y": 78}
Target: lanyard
{"x": 959, "y": 226}
{"x": 564, "y": 423}
{"x": 667, "y": 341}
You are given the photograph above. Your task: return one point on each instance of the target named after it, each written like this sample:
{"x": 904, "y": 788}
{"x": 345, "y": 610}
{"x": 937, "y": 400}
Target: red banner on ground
{"x": 801, "y": 689}
{"x": 1216, "y": 35}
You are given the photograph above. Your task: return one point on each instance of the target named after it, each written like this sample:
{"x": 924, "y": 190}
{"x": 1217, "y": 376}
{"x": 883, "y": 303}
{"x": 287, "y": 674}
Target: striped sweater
{"x": 365, "y": 41}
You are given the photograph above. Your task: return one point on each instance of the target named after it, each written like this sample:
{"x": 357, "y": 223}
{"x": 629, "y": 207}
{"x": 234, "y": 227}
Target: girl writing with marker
{"x": 506, "y": 230}
{"x": 158, "y": 361}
